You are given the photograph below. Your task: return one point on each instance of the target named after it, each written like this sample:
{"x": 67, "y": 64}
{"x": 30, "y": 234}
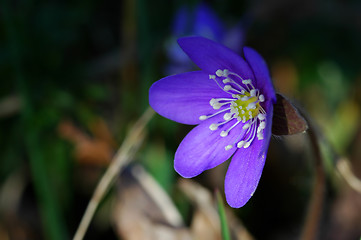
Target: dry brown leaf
{"x": 206, "y": 222}
{"x": 100, "y": 130}
{"x": 95, "y": 151}
{"x": 202, "y": 226}
{"x": 142, "y": 212}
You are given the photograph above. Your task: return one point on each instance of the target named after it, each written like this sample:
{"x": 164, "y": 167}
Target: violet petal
{"x": 211, "y": 56}
{"x": 203, "y": 149}
{"x": 243, "y": 173}
{"x": 184, "y": 97}
{"x": 263, "y": 80}
{"x": 246, "y": 167}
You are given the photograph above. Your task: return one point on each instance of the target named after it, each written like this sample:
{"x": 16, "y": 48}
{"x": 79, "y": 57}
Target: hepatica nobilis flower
{"x": 231, "y": 99}
{"x": 201, "y": 20}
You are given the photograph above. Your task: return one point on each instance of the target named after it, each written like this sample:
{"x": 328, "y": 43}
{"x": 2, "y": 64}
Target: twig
{"x": 160, "y": 198}
{"x": 125, "y": 153}
{"x": 344, "y": 168}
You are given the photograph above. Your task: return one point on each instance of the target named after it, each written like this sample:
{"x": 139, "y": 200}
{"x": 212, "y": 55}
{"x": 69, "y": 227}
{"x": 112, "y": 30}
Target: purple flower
{"x": 200, "y": 21}
{"x": 231, "y": 99}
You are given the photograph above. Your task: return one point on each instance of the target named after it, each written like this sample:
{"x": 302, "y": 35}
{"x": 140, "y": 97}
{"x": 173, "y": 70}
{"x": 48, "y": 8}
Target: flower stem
{"x": 314, "y": 213}
{"x": 339, "y": 163}
{"x": 125, "y": 154}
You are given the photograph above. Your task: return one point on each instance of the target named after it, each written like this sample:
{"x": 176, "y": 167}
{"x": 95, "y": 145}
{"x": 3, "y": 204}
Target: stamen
{"x": 225, "y": 72}
{"x": 212, "y": 101}
{"x": 261, "y": 98}
{"x": 230, "y": 80}
{"x": 227, "y": 87}
{"x": 240, "y": 144}
{"x": 251, "y": 105}
{"x": 213, "y": 127}
{"x": 218, "y": 105}
{"x": 219, "y": 73}
{"x": 247, "y": 144}
{"x": 243, "y": 106}
{"x": 224, "y": 133}
{"x": 261, "y": 116}
{"x": 227, "y": 116}
{"x": 251, "y": 137}
{"x": 203, "y": 117}
{"x": 253, "y": 92}
{"x": 228, "y": 147}
{"x": 227, "y": 80}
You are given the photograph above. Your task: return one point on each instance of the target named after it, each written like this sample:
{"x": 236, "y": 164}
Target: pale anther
{"x": 213, "y": 127}
{"x": 261, "y": 116}
{"x": 227, "y": 87}
{"x": 248, "y": 81}
{"x": 240, "y": 144}
{"x": 212, "y": 76}
{"x": 212, "y": 101}
{"x": 203, "y": 117}
{"x": 253, "y": 92}
{"x": 219, "y": 73}
{"x": 252, "y": 105}
{"x": 226, "y": 80}
{"x": 261, "y": 98}
{"x": 227, "y": 116}
{"x": 228, "y": 147}
{"x": 246, "y": 145}
{"x": 224, "y": 134}
{"x": 245, "y": 126}
{"x": 259, "y": 130}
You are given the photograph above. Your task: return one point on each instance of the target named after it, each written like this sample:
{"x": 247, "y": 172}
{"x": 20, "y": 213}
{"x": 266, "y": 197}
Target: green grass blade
{"x": 223, "y": 218}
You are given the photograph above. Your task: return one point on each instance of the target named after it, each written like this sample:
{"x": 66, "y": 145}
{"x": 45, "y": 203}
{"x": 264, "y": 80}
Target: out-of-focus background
{"x": 75, "y": 77}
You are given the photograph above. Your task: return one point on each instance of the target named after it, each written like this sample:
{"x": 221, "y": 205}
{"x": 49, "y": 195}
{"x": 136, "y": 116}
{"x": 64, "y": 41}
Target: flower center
{"x": 246, "y": 106}
{"x": 243, "y": 106}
